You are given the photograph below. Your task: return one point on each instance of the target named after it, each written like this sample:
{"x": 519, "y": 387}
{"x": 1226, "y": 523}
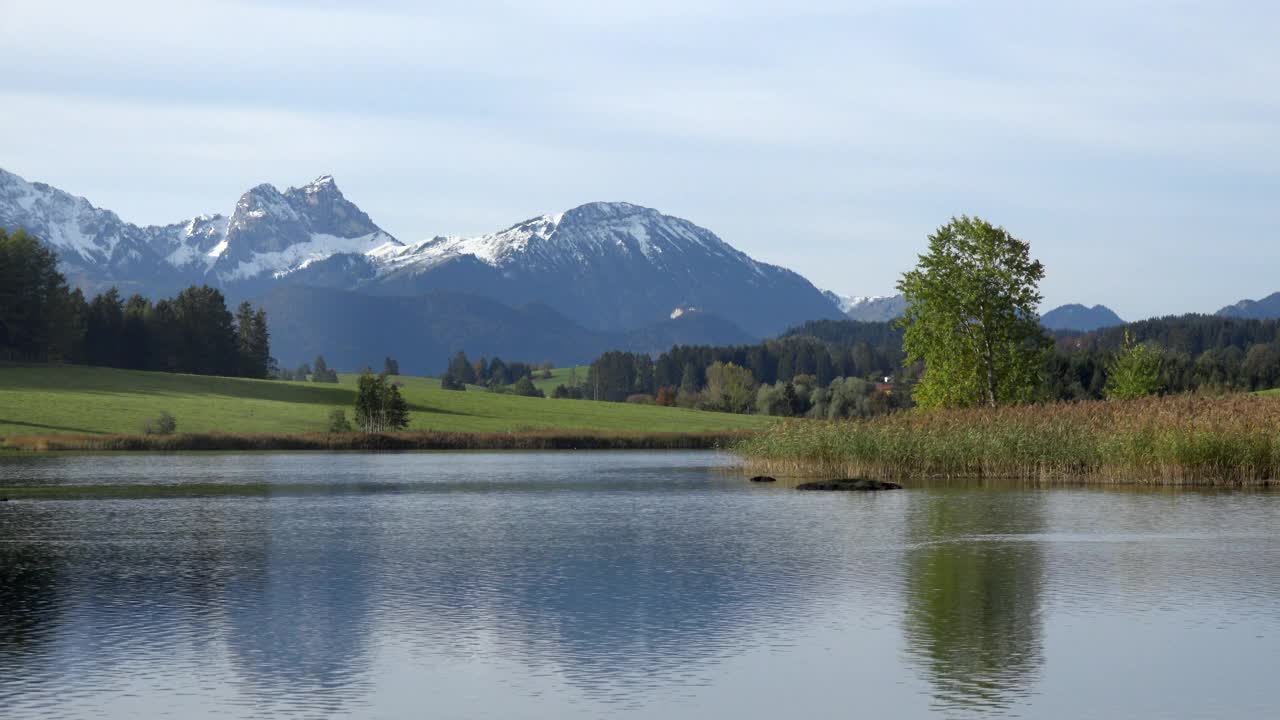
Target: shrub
{"x": 379, "y": 405}
{"x": 338, "y": 422}
{"x": 640, "y": 399}
{"x": 525, "y": 387}
{"x": 567, "y": 392}
{"x": 1134, "y": 372}
{"x": 163, "y": 424}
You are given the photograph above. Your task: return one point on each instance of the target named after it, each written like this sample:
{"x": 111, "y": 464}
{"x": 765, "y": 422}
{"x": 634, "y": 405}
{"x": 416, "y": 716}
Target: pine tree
{"x": 135, "y": 336}
{"x": 251, "y": 342}
{"x": 390, "y": 366}
{"x": 33, "y": 298}
{"x": 104, "y": 334}
{"x": 206, "y": 336}
{"x": 689, "y": 380}
{"x": 322, "y": 373}
{"x": 395, "y": 408}
{"x": 461, "y": 369}
{"x": 262, "y": 342}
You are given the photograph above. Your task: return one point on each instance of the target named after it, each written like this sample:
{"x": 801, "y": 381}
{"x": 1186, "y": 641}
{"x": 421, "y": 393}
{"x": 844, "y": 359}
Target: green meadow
{"x": 559, "y": 376}
{"x": 43, "y": 399}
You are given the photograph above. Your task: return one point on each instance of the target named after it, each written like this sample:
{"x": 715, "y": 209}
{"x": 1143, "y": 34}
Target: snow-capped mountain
{"x": 268, "y": 235}
{"x": 90, "y": 241}
{"x": 869, "y": 308}
{"x": 606, "y": 265}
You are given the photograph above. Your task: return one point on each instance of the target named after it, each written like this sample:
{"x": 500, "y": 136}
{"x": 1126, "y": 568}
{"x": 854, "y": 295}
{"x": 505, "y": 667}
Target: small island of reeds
{"x": 1175, "y": 440}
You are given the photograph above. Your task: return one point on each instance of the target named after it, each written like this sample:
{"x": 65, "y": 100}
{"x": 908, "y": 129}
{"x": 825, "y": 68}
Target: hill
{"x": 1080, "y": 317}
{"x": 42, "y": 399}
{"x": 1268, "y": 308}
{"x": 353, "y": 329}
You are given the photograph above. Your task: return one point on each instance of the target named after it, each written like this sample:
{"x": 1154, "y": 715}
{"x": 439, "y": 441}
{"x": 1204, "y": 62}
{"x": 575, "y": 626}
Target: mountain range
{"x": 869, "y": 308}
{"x": 608, "y": 266}
{"x": 1066, "y": 317}
{"x": 1265, "y": 309}
{"x": 600, "y": 275}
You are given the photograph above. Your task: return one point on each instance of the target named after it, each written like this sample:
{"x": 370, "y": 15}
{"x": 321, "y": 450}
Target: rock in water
{"x": 763, "y": 478}
{"x": 849, "y": 484}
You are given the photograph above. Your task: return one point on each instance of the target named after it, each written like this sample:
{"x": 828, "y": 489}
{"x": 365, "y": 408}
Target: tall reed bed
{"x": 519, "y": 440}
{"x": 1179, "y": 440}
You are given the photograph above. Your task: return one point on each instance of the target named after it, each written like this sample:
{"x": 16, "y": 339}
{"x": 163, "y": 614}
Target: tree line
{"x": 1191, "y": 353}
{"x": 796, "y": 376}
{"x": 496, "y": 375}
{"x": 43, "y": 320}
{"x": 833, "y": 368}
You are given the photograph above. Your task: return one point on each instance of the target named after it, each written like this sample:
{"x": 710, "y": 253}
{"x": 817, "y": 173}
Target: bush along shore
{"x": 1177, "y": 440}
{"x": 519, "y": 440}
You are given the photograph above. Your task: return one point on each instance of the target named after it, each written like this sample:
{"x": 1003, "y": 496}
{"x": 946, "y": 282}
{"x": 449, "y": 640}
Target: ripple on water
{"x": 563, "y": 585}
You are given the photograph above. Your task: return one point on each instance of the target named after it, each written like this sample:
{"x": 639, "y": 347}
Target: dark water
{"x": 630, "y": 585}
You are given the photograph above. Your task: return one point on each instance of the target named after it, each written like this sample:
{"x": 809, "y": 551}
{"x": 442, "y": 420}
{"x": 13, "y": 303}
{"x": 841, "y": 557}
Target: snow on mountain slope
{"x": 869, "y": 308}
{"x": 273, "y": 233}
{"x": 576, "y": 237}
{"x": 269, "y": 234}
{"x": 607, "y": 265}
{"x": 64, "y": 221}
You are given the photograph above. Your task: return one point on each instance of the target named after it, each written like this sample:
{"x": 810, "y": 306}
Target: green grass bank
{"x": 52, "y": 401}
{"x": 1181, "y": 440}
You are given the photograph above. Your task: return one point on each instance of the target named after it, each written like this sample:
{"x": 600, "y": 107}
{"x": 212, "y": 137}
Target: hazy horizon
{"x": 1134, "y": 146}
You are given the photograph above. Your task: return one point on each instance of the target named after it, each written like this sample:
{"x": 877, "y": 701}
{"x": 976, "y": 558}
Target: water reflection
{"x": 974, "y": 584}
{"x": 298, "y": 604}
{"x": 31, "y": 575}
{"x": 614, "y": 593}
{"x": 633, "y": 586}
{"x": 614, "y": 586}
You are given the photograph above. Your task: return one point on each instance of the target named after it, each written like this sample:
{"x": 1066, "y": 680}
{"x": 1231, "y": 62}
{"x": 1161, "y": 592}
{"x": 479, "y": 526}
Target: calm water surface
{"x": 627, "y": 585}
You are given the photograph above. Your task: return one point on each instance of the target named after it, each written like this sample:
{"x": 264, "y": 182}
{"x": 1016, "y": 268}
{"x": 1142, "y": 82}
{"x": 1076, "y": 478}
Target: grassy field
{"x": 559, "y": 376}
{"x": 1177, "y": 440}
{"x": 42, "y": 400}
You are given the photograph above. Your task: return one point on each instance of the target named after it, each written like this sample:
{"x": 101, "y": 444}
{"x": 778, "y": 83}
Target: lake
{"x": 619, "y": 585}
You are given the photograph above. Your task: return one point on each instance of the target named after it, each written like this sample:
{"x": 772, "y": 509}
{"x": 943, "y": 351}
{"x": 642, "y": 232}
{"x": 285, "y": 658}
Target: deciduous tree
{"x": 971, "y": 317}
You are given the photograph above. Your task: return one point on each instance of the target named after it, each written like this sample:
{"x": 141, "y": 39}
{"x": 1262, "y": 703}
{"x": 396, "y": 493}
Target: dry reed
{"x": 1179, "y": 440}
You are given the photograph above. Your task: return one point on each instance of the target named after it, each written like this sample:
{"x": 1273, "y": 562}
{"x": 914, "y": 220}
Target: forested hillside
{"x": 42, "y": 320}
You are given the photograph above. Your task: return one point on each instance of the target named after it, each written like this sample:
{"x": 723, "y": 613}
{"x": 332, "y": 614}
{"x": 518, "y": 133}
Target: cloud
{"x": 830, "y": 136}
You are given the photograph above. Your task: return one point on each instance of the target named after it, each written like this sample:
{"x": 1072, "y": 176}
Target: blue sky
{"x": 1136, "y": 145}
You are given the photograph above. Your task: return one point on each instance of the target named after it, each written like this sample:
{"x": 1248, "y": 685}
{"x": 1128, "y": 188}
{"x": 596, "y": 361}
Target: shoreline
{"x": 790, "y": 472}
{"x": 20, "y": 445}
{"x": 1177, "y": 441}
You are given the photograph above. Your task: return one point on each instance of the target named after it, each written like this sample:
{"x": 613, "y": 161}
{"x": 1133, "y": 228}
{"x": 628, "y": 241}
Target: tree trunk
{"x": 991, "y": 372}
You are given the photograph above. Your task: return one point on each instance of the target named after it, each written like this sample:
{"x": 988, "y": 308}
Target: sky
{"x": 1135, "y": 145}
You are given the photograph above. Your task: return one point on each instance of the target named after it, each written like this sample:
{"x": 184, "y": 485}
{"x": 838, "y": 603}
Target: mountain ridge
{"x": 1074, "y": 316}
{"x": 607, "y": 265}
{"x": 1267, "y": 308}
